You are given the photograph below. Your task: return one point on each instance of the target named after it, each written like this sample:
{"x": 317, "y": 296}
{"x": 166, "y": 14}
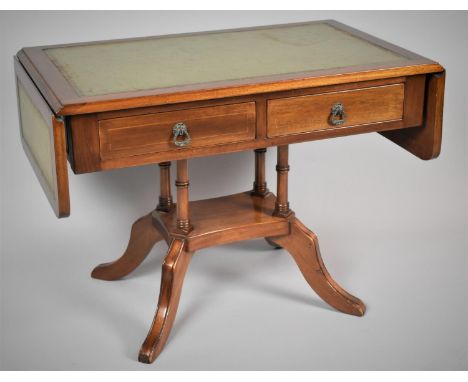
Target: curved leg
{"x": 302, "y": 244}
{"x": 173, "y": 272}
{"x": 142, "y": 238}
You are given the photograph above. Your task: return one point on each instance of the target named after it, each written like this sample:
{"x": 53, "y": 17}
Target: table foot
{"x": 173, "y": 272}
{"x": 143, "y": 237}
{"x": 302, "y": 244}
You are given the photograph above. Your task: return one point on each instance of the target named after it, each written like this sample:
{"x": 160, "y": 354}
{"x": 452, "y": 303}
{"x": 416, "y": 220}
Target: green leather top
{"x": 159, "y": 62}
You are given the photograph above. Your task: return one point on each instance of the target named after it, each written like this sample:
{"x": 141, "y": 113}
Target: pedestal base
{"x": 219, "y": 221}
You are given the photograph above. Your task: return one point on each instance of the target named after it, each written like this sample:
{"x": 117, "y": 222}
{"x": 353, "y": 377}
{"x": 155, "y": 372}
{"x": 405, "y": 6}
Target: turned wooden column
{"x": 182, "y": 184}
{"x": 165, "y": 197}
{"x": 282, "y": 169}
{"x": 260, "y": 184}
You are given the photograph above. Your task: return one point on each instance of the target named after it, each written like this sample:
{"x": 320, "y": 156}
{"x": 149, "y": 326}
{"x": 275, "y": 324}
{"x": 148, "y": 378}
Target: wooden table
{"x": 122, "y": 103}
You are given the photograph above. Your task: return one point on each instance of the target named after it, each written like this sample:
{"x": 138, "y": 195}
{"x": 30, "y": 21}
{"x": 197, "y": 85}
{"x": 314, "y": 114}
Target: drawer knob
{"x": 337, "y": 115}
{"x": 181, "y": 135}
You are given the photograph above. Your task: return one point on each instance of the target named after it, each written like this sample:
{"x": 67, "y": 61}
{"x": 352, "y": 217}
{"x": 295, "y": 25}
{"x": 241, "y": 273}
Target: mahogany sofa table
{"x": 122, "y": 103}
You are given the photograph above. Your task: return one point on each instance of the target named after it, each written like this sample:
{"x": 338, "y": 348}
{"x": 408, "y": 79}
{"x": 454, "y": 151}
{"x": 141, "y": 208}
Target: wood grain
{"x": 302, "y": 244}
{"x": 47, "y": 78}
{"x": 260, "y": 184}
{"x": 57, "y": 193}
{"x": 183, "y": 225}
{"x": 309, "y": 113}
{"x": 246, "y": 87}
{"x": 282, "y": 170}
{"x": 143, "y": 237}
{"x": 165, "y": 195}
{"x": 172, "y": 277}
{"x": 257, "y": 98}
{"x": 415, "y": 89}
{"x": 207, "y": 126}
{"x": 226, "y": 219}
{"x": 86, "y": 145}
{"x": 425, "y": 141}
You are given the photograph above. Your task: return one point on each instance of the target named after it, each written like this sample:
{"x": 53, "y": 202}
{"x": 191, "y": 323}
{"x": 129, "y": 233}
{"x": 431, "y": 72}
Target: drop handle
{"x": 337, "y": 114}
{"x": 181, "y": 135}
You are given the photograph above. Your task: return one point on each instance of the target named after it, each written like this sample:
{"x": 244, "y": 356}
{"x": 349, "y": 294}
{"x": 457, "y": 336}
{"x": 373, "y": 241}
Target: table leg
{"x": 173, "y": 272}
{"x": 260, "y": 184}
{"x": 282, "y": 169}
{"x": 182, "y": 184}
{"x": 165, "y": 196}
{"x": 303, "y": 245}
{"x": 142, "y": 239}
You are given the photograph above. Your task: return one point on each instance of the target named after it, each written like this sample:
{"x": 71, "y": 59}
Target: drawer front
{"x": 310, "y": 113}
{"x": 149, "y": 133}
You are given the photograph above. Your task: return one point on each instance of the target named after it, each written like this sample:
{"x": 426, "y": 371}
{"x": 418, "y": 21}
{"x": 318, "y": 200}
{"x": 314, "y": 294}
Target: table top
{"x": 116, "y": 74}
{"x": 141, "y": 64}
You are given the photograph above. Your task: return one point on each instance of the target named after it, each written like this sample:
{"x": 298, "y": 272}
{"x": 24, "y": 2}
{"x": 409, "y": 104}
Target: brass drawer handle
{"x": 337, "y": 115}
{"x": 180, "y": 130}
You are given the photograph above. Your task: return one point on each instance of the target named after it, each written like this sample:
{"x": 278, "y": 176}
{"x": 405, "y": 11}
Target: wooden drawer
{"x": 150, "y": 133}
{"x": 304, "y": 114}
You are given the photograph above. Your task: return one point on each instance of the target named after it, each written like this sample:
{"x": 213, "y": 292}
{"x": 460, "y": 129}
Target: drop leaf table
{"x": 121, "y": 103}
